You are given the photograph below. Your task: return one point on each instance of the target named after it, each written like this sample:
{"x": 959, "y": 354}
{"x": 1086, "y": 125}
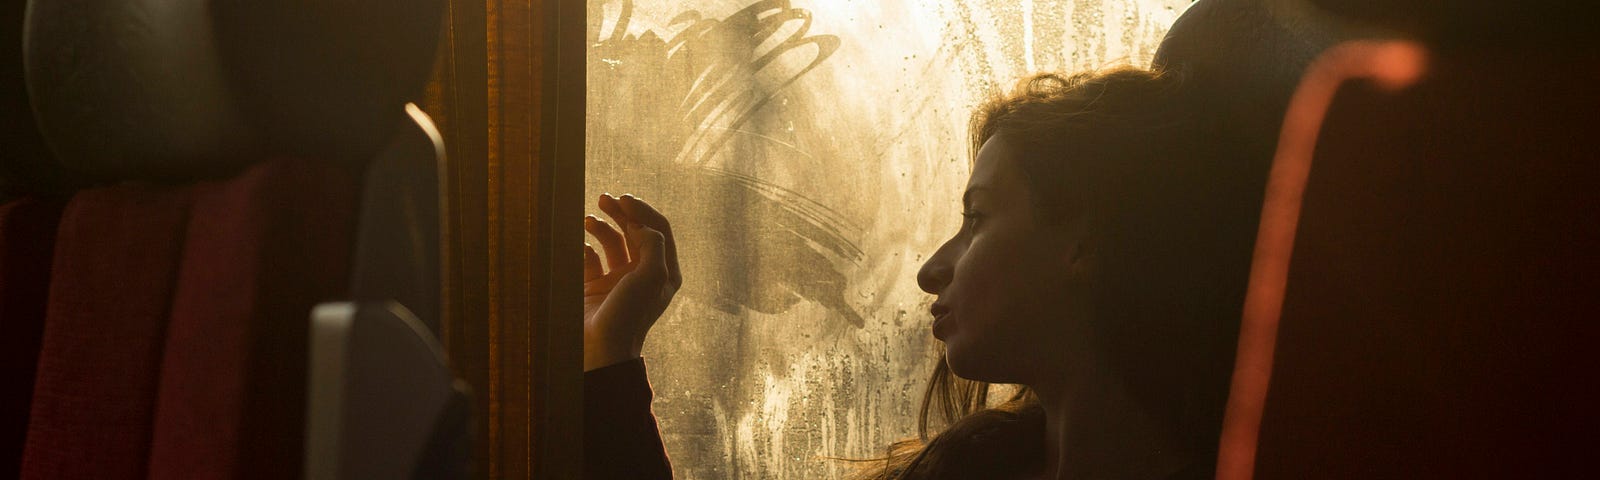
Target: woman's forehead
{"x": 994, "y": 167}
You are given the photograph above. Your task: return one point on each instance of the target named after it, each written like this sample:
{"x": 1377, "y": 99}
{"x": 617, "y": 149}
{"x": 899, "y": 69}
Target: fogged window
{"x": 811, "y": 154}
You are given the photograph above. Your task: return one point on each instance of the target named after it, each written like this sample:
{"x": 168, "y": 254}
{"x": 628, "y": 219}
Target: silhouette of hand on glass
{"x": 623, "y": 298}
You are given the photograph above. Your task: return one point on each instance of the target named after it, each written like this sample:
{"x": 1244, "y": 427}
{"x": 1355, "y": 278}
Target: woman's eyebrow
{"x": 966, "y": 197}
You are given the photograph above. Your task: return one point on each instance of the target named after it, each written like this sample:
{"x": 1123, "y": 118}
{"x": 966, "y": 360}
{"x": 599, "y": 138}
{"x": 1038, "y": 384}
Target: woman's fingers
{"x": 623, "y": 301}
{"x": 613, "y": 209}
{"x": 610, "y": 205}
{"x": 591, "y": 264}
{"x": 610, "y": 240}
{"x": 650, "y": 244}
{"x": 639, "y": 211}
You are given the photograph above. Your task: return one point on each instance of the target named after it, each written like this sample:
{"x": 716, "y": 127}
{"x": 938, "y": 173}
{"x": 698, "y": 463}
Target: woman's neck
{"x": 1095, "y": 430}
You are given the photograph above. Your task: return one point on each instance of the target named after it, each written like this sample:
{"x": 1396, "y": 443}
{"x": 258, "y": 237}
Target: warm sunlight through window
{"x": 811, "y": 154}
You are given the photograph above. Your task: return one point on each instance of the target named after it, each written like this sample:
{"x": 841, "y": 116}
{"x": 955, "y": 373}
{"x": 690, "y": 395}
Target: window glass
{"x": 811, "y": 154}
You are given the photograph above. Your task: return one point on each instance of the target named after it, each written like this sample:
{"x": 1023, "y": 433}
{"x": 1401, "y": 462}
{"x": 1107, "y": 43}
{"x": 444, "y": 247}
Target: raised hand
{"x": 624, "y": 297}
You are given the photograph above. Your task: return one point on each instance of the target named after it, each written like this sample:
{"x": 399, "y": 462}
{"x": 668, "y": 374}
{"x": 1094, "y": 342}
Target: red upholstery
{"x": 175, "y": 340}
{"x": 115, "y": 260}
{"x": 1438, "y": 316}
{"x": 261, "y": 250}
{"x": 217, "y": 391}
{"x": 27, "y": 240}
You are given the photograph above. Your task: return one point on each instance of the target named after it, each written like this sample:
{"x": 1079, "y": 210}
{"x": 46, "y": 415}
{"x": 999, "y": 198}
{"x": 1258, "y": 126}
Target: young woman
{"x": 1100, "y": 267}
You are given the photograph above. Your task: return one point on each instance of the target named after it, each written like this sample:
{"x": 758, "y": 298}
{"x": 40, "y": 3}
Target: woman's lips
{"x": 937, "y": 331}
{"x": 940, "y": 315}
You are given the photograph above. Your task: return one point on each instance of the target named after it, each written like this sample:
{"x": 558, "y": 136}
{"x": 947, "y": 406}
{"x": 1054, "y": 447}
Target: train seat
{"x": 1424, "y": 281}
{"x": 233, "y": 165}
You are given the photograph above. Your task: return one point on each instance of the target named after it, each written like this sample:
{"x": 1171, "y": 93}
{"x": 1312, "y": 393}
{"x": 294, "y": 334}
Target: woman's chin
{"x": 976, "y": 365}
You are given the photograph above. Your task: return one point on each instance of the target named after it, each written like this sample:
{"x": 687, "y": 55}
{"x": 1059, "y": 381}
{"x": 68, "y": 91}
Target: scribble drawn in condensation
{"x": 713, "y": 125}
{"x": 722, "y": 74}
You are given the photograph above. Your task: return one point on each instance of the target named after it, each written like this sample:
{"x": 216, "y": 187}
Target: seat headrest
{"x": 25, "y": 164}
{"x": 1548, "y": 24}
{"x": 1248, "y": 55}
{"x": 183, "y": 89}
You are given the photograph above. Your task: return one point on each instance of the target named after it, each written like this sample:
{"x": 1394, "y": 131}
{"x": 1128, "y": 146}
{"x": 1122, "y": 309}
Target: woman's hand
{"x": 623, "y": 298}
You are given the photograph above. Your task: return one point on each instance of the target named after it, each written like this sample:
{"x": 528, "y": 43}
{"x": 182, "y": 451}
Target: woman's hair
{"x": 1170, "y": 233}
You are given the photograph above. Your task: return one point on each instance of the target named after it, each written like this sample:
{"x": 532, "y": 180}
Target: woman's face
{"x": 1011, "y": 304}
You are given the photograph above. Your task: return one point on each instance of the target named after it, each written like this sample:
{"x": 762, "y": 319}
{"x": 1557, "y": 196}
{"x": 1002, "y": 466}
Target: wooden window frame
{"x": 508, "y": 95}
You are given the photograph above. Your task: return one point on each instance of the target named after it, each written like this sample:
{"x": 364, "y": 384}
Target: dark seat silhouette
{"x": 227, "y": 167}
{"x": 1424, "y": 309}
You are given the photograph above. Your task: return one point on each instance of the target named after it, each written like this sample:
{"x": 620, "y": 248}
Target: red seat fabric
{"x": 116, "y": 257}
{"x": 261, "y": 250}
{"x": 1438, "y": 317}
{"x": 27, "y": 241}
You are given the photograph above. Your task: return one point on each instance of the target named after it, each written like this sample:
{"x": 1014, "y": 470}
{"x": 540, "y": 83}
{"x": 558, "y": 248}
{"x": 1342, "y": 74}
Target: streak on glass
{"x": 811, "y": 154}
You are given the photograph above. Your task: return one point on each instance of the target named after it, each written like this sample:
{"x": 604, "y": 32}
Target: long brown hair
{"x": 1118, "y": 148}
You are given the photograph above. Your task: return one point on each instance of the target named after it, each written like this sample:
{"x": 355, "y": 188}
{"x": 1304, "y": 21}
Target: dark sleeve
{"x": 620, "y": 436}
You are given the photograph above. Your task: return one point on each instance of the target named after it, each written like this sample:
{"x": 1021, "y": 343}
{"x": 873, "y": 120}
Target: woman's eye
{"x": 970, "y": 219}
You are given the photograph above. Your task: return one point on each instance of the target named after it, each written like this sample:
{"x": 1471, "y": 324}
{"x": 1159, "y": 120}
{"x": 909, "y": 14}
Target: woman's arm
{"x": 620, "y": 437}
{"x": 621, "y": 301}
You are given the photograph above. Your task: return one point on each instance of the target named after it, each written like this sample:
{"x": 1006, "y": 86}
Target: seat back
{"x": 260, "y": 251}
{"x": 111, "y": 285}
{"x": 1436, "y": 316}
{"x": 397, "y": 242}
{"x": 251, "y": 160}
{"x": 1424, "y": 278}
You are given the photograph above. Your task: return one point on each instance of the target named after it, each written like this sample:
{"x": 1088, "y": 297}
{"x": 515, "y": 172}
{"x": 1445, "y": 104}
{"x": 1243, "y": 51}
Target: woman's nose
{"x": 936, "y": 272}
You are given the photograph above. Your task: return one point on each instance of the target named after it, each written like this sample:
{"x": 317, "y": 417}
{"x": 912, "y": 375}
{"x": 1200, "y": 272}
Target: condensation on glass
{"x": 811, "y": 154}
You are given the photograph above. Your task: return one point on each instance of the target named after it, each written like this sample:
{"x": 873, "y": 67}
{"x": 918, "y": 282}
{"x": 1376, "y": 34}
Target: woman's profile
{"x": 1099, "y": 270}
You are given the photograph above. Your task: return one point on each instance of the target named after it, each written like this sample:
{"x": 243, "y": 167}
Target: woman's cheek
{"x": 993, "y": 292}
